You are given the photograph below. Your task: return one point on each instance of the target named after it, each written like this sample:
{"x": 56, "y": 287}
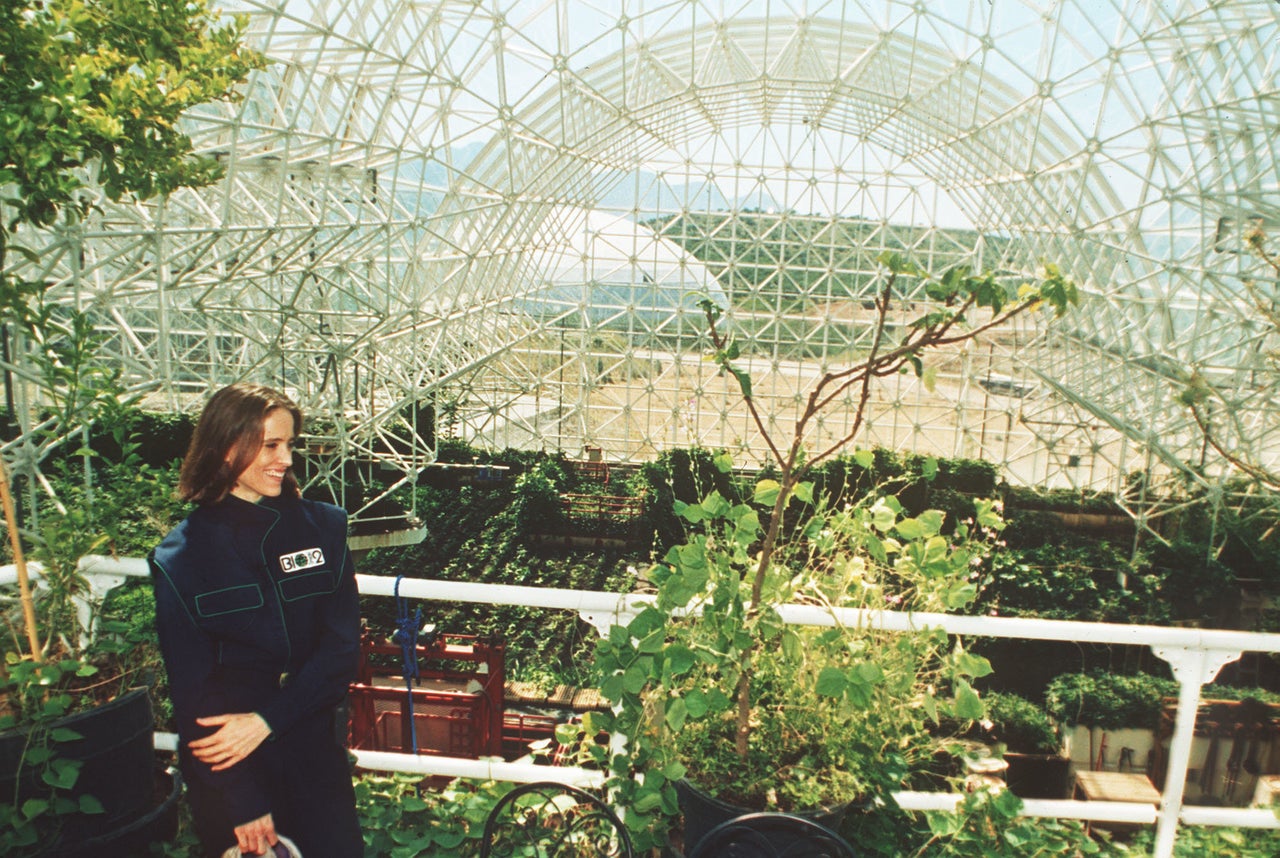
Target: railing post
{"x": 1192, "y": 668}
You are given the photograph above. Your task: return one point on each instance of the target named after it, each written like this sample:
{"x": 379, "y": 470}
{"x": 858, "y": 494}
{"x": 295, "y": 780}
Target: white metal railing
{"x": 1194, "y": 655}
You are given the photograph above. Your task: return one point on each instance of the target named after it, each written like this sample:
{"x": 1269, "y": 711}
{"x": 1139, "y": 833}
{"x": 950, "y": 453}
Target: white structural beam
{"x": 404, "y": 180}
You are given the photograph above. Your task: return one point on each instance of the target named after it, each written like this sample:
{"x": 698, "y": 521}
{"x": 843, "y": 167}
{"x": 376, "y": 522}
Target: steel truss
{"x": 409, "y": 184}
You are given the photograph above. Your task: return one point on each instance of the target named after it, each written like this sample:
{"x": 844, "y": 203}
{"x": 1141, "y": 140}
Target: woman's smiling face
{"x": 264, "y": 478}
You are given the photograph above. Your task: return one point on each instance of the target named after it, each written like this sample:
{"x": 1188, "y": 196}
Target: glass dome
{"x": 494, "y": 221}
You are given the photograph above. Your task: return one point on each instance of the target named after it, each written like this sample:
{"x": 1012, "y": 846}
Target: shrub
{"x": 1107, "y": 700}
{"x": 1060, "y": 500}
{"x": 1074, "y": 581}
{"x": 1021, "y": 725}
{"x": 1194, "y": 842}
{"x": 536, "y": 505}
{"x": 988, "y": 824}
{"x": 1192, "y": 580}
{"x": 970, "y": 476}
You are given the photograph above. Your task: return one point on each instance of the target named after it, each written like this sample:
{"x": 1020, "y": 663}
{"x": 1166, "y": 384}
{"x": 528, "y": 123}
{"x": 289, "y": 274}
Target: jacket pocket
{"x": 318, "y": 583}
{"x": 229, "y": 600}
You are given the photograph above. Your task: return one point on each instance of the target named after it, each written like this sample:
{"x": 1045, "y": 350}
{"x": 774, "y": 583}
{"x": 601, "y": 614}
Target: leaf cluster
{"x": 36, "y": 699}
{"x": 1108, "y": 700}
{"x": 1195, "y": 841}
{"x": 400, "y": 819}
{"x": 989, "y": 824}
{"x": 104, "y": 83}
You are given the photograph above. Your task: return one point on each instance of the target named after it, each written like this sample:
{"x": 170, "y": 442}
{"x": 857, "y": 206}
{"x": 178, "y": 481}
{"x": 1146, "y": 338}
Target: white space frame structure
{"x": 493, "y": 219}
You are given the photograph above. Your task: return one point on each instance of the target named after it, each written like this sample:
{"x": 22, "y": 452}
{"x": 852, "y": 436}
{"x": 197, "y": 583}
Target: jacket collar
{"x": 236, "y": 509}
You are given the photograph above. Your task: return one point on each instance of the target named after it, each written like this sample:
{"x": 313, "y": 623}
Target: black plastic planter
{"x": 133, "y": 838}
{"x": 1038, "y": 775}
{"x": 117, "y": 751}
{"x": 703, "y": 812}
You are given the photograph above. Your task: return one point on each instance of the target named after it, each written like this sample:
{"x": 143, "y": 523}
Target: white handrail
{"x": 1195, "y": 655}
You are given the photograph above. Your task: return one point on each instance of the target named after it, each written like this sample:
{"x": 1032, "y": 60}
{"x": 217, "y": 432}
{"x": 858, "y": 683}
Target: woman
{"x": 259, "y": 624}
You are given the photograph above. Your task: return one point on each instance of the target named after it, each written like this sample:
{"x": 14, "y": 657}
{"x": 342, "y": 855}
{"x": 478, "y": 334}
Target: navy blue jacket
{"x": 257, "y": 611}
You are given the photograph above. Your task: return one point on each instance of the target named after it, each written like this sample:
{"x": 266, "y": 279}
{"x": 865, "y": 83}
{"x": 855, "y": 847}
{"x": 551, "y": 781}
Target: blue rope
{"x": 406, "y": 635}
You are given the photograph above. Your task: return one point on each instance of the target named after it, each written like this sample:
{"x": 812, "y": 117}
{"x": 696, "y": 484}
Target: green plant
{"x": 36, "y": 697}
{"x": 185, "y": 844}
{"x": 989, "y": 824}
{"x": 1214, "y": 691}
{"x": 1020, "y": 725}
{"x": 1107, "y": 700}
{"x": 400, "y": 819}
{"x": 970, "y": 476}
{"x": 1060, "y": 500}
{"x": 709, "y": 647}
{"x": 399, "y": 816}
{"x": 1076, "y": 580}
{"x": 838, "y": 713}
{"x": 1192, "y": 580}
{"x": 956, "y": 295}
{"x": 1197, "y": 841}
{"x": 536, "y": 504}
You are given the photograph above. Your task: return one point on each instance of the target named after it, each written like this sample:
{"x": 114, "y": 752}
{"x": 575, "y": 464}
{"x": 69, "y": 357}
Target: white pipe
{"x": 980, "y": 626}
{"x": 482, "y": 769}
{"x": 1024, "y": 627}
{"x": 1192, "y": 668}
{"x": 944, "y": 802}
{"x": 1233, "y": 817}
{"x": 90, "y": 564}
{"x": 502, "y": 594}
{"x": 1099, "y": 811}
{"x": 625, "y": 603}
{"x": 101, "y": 564}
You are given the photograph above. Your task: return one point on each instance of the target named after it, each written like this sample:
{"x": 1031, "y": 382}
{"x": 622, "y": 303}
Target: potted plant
{"x": 91, "y": 97}
{"x": 711, "y": 682}
{"x": 1025, "y": 737}
{"x": 1109, "y": 720}
{"x": 838, "y": 714}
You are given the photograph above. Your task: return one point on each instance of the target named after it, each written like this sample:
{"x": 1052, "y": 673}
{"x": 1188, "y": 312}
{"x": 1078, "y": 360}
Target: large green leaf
{"x": 766, "y": 492}
{"x": 831, "y": 682}
{"x": 968, "y": 706}
{"x": 679, "y": 660}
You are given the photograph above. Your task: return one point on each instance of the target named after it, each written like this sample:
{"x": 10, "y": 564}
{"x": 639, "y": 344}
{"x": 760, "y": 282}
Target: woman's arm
{"x": 189, "y": 662}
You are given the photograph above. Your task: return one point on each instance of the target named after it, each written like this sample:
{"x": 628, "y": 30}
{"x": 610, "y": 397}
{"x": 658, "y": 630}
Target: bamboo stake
{"x": 24, "y": 582}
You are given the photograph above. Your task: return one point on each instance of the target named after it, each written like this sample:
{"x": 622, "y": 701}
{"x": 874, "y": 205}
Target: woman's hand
{"x": 238, "y": 735}
{"x": 257, "y": 836}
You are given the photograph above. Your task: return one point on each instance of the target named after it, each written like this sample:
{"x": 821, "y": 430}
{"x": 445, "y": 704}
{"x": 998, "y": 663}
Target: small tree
{"x": 91, "y": 97}
{"x": 958, "y": 298}
{"x": 711, "y": 664}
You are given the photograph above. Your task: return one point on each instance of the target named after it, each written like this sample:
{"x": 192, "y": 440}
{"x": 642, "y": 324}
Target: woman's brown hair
{"x": 231, "y": 428}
